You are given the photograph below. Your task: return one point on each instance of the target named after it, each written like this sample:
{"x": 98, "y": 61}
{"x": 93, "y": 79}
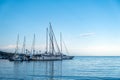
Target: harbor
{"x": 59, "y": 40}
{"x": 53, "y": 50}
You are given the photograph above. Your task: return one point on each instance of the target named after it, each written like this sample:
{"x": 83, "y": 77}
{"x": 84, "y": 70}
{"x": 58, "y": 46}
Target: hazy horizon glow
{"x": 89, "y": 27}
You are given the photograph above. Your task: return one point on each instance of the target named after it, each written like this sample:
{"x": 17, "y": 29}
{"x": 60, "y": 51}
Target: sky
{"x": 89, "y": 27}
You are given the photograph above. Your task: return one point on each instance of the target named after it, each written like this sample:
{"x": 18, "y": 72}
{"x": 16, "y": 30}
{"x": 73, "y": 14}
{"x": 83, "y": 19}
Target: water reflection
{"x": 39, "y": 70}
{"x": 80, "y": 68}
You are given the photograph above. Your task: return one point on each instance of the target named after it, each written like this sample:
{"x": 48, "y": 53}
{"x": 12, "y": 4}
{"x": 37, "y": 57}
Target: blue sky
{"x": 89, "y": 27}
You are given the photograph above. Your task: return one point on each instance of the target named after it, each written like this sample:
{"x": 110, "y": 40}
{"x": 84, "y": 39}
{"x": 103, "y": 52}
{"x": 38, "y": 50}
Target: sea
{"x": 79, "y": 68}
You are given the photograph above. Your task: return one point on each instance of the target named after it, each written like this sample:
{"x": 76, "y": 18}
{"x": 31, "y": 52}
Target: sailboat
{"x": 16, "y": 56}
{"x": 53, "y": 51}
{"x": 19, "y": 56}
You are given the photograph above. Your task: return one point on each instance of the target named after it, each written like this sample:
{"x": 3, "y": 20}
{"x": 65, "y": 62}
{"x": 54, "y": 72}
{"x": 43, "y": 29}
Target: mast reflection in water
{"x": 80, "y": 68}
{"x": 44, "y": 70}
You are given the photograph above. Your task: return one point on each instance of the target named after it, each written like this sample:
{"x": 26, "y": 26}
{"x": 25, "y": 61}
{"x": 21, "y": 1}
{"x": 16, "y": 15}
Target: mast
{"x": 53, "y": 41}
{"x": 23, "y": 48}
{"x": 16, "y": 50}
{"x": 33, "y": 46}
{"x": 51, "y": 44}
{"x": 46, "y": 40}
{"x": 49, "y": 40}
{"x": 65, "y": 48}
{"x": 61, "y": 42}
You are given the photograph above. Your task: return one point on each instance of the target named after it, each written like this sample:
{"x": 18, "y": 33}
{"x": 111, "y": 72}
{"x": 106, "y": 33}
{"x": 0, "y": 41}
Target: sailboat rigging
{"x": 53, "y": 50}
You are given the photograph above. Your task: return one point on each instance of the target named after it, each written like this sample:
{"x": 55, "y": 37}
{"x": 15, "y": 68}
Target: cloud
{"x": 87, "y": 34}
{"x": 8, "y": 47}
{"x": 11, "y": 47}
{"x": 96, "y": 50}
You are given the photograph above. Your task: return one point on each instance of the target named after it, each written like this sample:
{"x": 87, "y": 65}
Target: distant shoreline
{"x": 6, "y": 55}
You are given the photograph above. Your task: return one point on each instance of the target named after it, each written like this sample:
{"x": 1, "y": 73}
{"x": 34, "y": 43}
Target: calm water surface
{"x": 80, "y": 68}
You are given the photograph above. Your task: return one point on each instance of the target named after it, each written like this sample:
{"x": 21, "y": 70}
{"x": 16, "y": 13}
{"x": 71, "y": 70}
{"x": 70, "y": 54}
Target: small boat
{"x": 16, "y": 58}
